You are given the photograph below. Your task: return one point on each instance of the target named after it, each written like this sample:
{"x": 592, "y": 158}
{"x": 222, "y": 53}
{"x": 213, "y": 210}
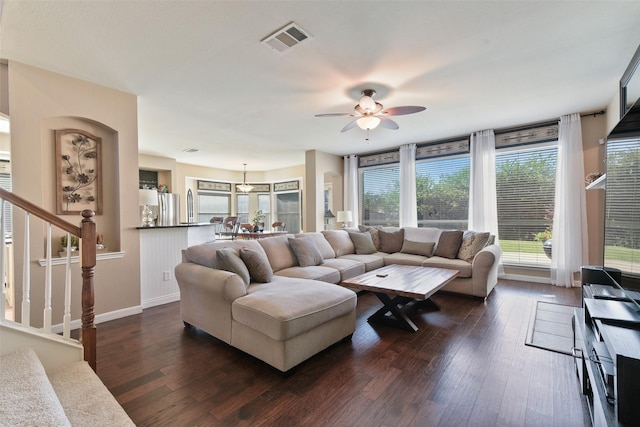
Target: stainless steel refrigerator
{"x": 168, "y": 209}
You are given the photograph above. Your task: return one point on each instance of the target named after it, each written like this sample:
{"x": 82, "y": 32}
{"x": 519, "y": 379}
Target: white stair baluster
{"x": 26, "y": 275}
{"x": 66, "y": 322}
{"x": 47, "y": 284}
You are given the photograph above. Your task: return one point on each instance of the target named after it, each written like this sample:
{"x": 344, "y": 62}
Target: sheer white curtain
{"x": 483, "y": 204}
{"x": 408, "y": 204}
{"x": 351, "y": 188}
{"x": 570, "y": 240}
{"x": 483, "y": 199}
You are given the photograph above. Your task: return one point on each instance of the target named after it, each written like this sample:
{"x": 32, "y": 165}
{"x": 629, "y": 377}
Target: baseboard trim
{"x": 100, "y": 318}
{"x": 165, "y": 299}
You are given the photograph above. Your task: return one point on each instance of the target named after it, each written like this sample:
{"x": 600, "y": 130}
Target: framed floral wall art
{"x": 78, "y": 172}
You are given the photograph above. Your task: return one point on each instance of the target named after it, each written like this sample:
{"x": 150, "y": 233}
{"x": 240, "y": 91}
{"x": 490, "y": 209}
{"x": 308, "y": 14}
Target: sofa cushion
{"x": 228, "y": 259}
{"x": 448, "y": 244}
{"x": 323, "y": 246}
{"x": 452, "y": 264}
{"x": 472, "y": 243}
{"x": 404, "y": 259}
{"x": 371, "y": 262}
{"x": 391, "y": 241}
{"x": 422, "y": 234}
{"x": 347, "y": 268}
{"x": 374, "y": 234}
{"x": 288, "y": 307}
{"x": 257, "y": 264}
{"x": 340, "y": 242}
{"x": 417, "y": 248}
{"x": 205, "y": 253}
{"x": 363, "y": 243}
{"x": 306, "y": 251}
{"x": 313, "y": 272}
{"x": 279, "y": 252}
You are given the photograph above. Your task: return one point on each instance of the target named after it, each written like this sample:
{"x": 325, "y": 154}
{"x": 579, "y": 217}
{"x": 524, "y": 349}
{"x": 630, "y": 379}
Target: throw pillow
{"x": 391, "y": 241}
{"x": 306, "y": 250}
{"x": 418, "y": 248}
{"x": 363, "y": 243}
{"x": 472, "y": 243}
{"x": 229, "y": 260}
{"x": 257, "y": 264}
{"x": 448, "y": 244}
{"x": 374, "y": 234}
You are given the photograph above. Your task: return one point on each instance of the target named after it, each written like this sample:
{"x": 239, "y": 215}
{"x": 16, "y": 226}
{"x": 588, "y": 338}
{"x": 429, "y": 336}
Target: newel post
{"x": 88, "y": 333}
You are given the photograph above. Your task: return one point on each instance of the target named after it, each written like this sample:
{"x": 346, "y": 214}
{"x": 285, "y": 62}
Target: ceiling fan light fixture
{"x": 367, "y": 103}
{"x": 368, "y": 122}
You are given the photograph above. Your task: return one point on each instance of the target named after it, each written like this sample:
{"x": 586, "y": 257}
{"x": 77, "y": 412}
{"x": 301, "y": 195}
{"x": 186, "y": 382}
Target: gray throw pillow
{"x": 363, "y": 243}
{"x": 257, "y": 264}
{"x": 306, "y": 250}
{"x": 448, "y": 244}
{"x": 374, "y": 234}
{"x": 418, "y": 248}
{"x": 472, "y": 243}
{"x": 391, "y": 241}
{"x": 229, "y": 260}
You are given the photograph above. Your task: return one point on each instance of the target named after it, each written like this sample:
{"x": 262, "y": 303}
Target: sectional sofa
{"x": 276, "y": 298}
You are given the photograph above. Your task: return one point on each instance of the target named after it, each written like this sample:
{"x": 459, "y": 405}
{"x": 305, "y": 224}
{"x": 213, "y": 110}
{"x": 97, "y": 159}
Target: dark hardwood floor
{"x": 467, "y": 365}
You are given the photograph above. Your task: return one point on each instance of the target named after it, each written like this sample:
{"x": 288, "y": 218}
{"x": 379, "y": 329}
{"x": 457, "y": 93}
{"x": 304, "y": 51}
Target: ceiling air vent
{"x": 286, "y": 38}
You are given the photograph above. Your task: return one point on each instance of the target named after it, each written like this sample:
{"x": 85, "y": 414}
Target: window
{"x": 213, "y": 204}
{"x": 288, "y": 210}
{"x": 525, "y": 185}
{"x": 380, "y": 195}
{"x": 622, "y": 207}
{"x": 243, "y": 208}
{"x": 264, "y": 204}
{"x": 5, "y": 183}
{"x": 442, "y": 190}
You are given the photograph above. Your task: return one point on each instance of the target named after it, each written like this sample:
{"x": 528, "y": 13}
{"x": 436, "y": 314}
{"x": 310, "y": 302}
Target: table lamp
{"x": 147, "y": 198}
{"x": 344, "y": 217}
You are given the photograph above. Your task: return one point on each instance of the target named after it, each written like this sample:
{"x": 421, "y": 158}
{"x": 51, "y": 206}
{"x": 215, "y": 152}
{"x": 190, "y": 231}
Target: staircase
{"x": 48, "y": 378}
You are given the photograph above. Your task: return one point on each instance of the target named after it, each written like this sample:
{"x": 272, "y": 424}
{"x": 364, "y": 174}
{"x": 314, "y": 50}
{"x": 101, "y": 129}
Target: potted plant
{"x": 258, "y": 217}
{"x": 74, "y": 243}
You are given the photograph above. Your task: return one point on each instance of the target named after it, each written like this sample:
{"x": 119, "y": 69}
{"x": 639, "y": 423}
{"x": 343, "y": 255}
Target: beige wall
{"x": 41, "y": 102}
{"x": 4, "y": 89}
{"x": 594, "y": 134}
{"x": 320, "y": 167}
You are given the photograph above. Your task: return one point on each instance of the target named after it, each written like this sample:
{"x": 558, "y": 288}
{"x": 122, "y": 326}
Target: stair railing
{"x": 87, "y": 233}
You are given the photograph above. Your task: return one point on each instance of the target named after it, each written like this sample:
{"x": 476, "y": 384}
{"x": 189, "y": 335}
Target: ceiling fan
{"x": 370, "y": 114}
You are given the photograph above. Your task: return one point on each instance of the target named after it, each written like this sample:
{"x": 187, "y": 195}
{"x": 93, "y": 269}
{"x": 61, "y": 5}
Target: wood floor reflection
{"x": 467, "y": 365}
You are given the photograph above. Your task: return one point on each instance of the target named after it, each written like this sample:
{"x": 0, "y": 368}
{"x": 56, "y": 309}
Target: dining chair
{"x": 278, "y": 226}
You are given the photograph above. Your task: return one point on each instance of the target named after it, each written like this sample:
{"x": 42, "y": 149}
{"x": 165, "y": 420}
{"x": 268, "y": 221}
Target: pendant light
{"x": 244, "y": 187}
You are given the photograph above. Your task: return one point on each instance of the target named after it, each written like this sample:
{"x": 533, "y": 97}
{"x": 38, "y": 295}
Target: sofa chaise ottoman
{"x": 282, "y": 321}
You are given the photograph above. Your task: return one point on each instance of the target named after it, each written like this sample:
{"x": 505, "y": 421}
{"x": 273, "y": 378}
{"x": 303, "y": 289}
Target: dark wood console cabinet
{"x": 607, "y": 357}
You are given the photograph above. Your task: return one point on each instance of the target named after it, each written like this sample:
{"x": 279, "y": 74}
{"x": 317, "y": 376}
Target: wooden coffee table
{"x": 402, "y": 289}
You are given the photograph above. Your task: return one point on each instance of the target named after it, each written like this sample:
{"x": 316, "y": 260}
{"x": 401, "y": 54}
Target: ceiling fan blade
{"x": 350, "y": 126}
{"x": 335, "y": 115}
{"x": 388, "y": 123}
{"x": 399, "y": 111}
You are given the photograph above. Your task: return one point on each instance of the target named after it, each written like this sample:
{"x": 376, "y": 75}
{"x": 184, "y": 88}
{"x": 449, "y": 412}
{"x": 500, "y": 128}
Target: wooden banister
{"x": 86, "y": 232}
{"x": 39, "y": 212}
{"x": 88, "y": 333}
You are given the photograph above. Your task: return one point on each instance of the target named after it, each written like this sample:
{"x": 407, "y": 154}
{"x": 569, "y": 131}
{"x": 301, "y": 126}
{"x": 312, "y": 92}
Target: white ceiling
{"x": 204, "y": 80}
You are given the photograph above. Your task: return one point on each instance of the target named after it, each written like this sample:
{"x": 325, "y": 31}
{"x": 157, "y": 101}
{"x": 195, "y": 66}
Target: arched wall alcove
{"x": 108, "y": 222}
